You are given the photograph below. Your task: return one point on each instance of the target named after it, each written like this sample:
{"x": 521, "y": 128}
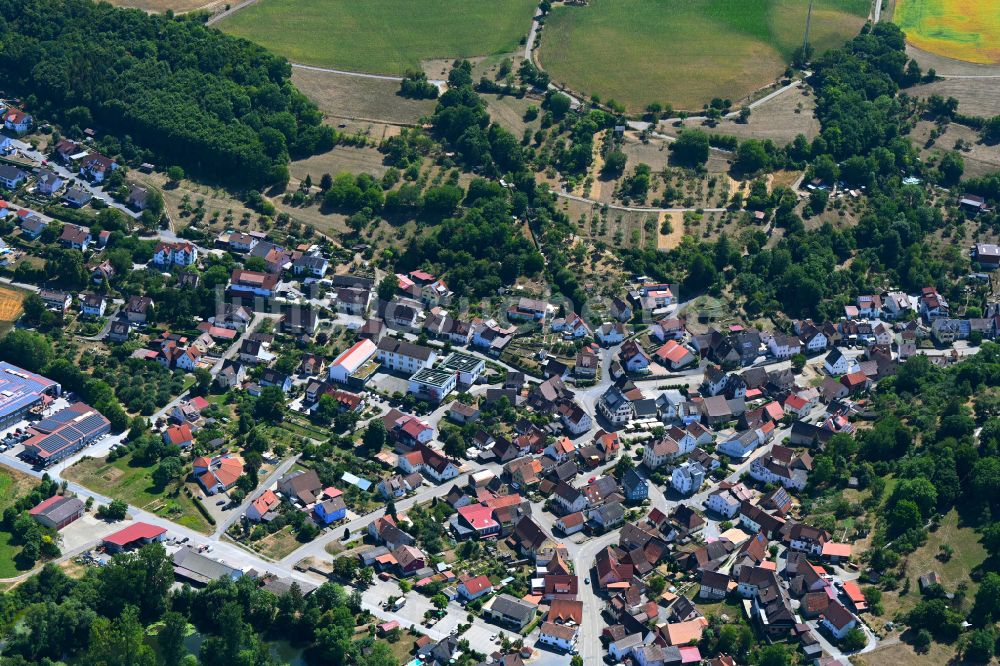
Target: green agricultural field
{"x": 686, "y": 52}
{"x": 383, "y": 36}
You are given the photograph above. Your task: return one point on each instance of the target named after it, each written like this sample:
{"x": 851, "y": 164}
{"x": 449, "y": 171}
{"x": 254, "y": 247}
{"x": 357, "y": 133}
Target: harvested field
{"x": 670, "y": 240}
{"x": 780, "y": 119}
{"x": 10, "y": 307}
{"x": 976, "y": 97}
{"x": 967, "y": 30}
{"x": 382, "y": 36}
{"x": 685, "y": 52}
{"x": 341, "y": 158}
{"x": 342, "y": 96}
{"x": 979, "y": 158}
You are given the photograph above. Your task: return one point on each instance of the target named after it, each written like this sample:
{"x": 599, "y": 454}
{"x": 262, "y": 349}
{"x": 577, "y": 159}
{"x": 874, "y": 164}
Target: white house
{"x": 560, "y": 636}
{"x": 405, "y": 357}
{"x": 610, "y": 334}
{"x": 687, "y": 478}
{"x": 634, "y": 358}
{"x": 314, "y": 265}
{"x": 93, "y": 305}
{"x": 176, "y": 254}
{"x": 656, "y": 454}
{"x": 574, "y": 418}
{"x": 17, "y": 121}
{"x": 741, "y": 444}
{"x": 836, "y": 363}
{"x": 784, "y": 346}
{"x": 838, "y": 620}
{"x": 727, "y": 501}
{"x": 615, "y": 407}
{"x": 895, "y": 304}
{"x": 572, "y": 326}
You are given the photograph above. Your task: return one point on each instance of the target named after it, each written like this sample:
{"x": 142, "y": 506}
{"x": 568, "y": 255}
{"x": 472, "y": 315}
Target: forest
{"x": 220, "y": 107}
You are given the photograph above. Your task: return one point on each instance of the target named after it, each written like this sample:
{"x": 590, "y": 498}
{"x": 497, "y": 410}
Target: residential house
{"x": 96, "y": 167}
{"x": 574, "y": 419}
{"x": 932, "y": 304}
{"x": 218, "y": 474}
{"x": 93, "y": 305}
{"x": 311, "y": 265}
{"x": 474, "y": 588}
{"x": 17, "y": 121}
{"x": 179, "y": 435}
{"x": 838, "y": 620}
{"x": 509, "y": 612}
{"x": 586, "y": 364}
{"x": 48, "y": 182}
{"x": 727, "y": 500}
{"x": 301, "y": 485}
{"x": 807, "y": 538}
{"x": 687, "y": 478}
{"x": 615, "y": 406}
{"x": 404, "y": 357}
{"x": 674, "y": 356}
{"x": 138, "y": 308}
{"x": 620, "y": 310}
{"x": 252, "y": 283}
{"x": 331, "y": 510}
{"x": 714, "y": 585}
{"x": 634, "y": 485}
{"x": 783, "y": 346}
{"x": 837, "y": 363}
{"x": 262, "y": 506}
{"x": 32, "y": 226}
{"x": 634, "y": 358}
{"x": 180, "y": 254}
{"x": 528, "y": 308}
{"x": 610, "y": 334}
{"x": 559, "y": 636}
{"x": 75, "y": 237}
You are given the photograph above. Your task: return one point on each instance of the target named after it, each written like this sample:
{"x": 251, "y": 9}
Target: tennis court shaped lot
{"x": 686, "y": 52}
{"x": 382, "y": 36}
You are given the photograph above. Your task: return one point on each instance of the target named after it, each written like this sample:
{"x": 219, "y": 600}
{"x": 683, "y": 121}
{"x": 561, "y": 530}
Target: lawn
{"x": 278, "y": 545}
{"x": 134, "y": 484}
{"x": 962, "y": 29}
{"x": 382, "y": 36}
{"x": 686, "y": 52}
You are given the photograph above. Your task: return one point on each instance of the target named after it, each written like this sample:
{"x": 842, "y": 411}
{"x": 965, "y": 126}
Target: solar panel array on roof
{"x": 20, "y": 389}
{"x": 78, "y": 423}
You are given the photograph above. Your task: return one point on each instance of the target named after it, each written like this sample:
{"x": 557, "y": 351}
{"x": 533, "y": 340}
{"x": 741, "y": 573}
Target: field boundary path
{"x": 232, "y": 10}
{"x": 634, "y": 209}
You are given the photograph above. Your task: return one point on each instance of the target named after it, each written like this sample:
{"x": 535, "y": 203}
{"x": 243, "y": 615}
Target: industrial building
{"x": 22, "y": 391}
{"x": 64, "y": 433}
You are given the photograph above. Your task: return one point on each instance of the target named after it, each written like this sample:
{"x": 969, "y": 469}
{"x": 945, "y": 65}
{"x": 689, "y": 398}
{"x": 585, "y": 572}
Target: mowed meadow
{"x": 685, "y": 52}
{"x": 961, "y": 29}
{"x": 382, "y": 36}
